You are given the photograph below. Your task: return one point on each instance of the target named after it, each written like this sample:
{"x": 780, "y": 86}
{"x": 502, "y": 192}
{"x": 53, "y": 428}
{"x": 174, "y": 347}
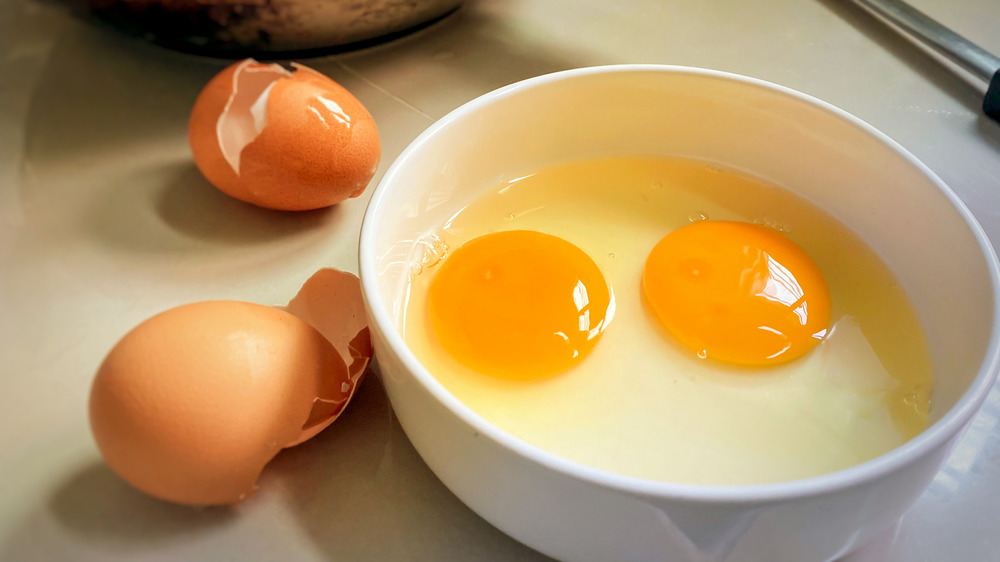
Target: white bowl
{"x": 575, "y": 512}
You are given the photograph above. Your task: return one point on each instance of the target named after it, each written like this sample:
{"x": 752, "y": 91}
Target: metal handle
{"x": 951, "y": 45}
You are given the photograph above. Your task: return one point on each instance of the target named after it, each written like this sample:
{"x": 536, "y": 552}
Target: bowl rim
{"x": 936, "y": 435}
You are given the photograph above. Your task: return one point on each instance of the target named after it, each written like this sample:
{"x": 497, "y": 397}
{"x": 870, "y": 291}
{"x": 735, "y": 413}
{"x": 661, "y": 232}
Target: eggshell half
{"x": 286, "y": 140}
{"x": 331, "y": 302}
{"x": 191, "y": 404}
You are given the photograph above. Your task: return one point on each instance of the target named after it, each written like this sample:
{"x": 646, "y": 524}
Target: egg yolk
{"x": 519, "y": 304}
{"x": 737, "y": 292}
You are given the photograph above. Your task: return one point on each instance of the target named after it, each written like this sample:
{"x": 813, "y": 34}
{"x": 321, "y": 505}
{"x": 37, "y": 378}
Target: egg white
{"x": 642, "y": 404}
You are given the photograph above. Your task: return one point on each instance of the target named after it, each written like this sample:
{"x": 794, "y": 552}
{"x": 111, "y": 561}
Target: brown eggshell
{"x": 191, "y": 404}
{"x": 318, "y": 145}
{"x": 331, "y": 302}
{"x": 247, "y": 77}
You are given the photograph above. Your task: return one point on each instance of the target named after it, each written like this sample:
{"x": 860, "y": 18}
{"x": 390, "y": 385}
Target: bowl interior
{"x": 914, "y": 223}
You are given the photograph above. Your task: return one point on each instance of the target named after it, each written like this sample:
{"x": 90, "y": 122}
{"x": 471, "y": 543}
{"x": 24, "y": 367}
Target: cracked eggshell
{"x": 286, "y": 140}
{"x": 331, "y": 302}
{"x": 192, "y": 404}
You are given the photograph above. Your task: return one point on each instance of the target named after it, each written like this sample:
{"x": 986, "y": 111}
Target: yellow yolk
{"x": 518, "y": 304}
{"x": 737, "y": 292}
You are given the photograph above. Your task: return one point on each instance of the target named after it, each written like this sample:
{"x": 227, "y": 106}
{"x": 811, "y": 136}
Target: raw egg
{"x": 519, "y": 304}
{"x": 192, "y": 403}
{"x": 283, "y": 139}
{"x": 737, "y": 292}
{"x": 641, "y": 402}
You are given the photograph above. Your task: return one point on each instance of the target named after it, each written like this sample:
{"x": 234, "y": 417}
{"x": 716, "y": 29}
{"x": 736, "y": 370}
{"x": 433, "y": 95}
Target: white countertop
{"x": 104, "y": 221}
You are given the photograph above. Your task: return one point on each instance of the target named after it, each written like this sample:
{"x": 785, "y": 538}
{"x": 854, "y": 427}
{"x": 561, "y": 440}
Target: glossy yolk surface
{"x": 518, "y": 304}
{"x": 737, "y": 292}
